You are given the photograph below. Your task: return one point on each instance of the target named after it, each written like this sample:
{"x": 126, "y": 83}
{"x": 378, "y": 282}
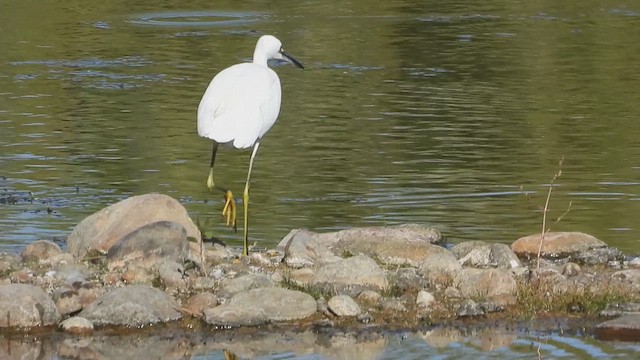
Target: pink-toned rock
{"x": 101, "y": 230}
{"x": 556, "y": 244}
{"x": 40, "y": 250}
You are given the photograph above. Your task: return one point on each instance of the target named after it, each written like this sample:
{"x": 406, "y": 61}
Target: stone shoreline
{"x": 138, "y": 263}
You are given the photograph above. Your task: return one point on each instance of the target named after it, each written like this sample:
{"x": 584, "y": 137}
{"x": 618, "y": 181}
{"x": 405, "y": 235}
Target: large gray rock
{"x": 134, "y": 305}
{"x": 488, "y": 283}
{"x": 26, "y": 306}
{"x": 233, "y": 286}
{"x": 150, "y": 245}
{"x": 343, "y": 305}
{"x": 439, "y": 268}
{"x": 556, "y": 244}
{"x": 402, "y": 244}
{"x": 624, "y": 328}
{"x": 302, "y": 249}
{"x": 351, "y": 276}
{"x": 483, "y": 255}
{"x": 103, "y": 229}
{"x": 261, "y": 306}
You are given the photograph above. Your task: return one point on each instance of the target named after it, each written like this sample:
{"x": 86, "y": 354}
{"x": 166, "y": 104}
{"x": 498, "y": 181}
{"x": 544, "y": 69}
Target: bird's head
{"x": 269, "y": 47}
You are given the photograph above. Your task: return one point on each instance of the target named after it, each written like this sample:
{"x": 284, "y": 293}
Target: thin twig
{"x": 546, "y": 209}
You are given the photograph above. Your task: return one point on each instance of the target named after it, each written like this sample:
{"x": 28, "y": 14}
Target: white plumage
{"x": 240, "y": 105}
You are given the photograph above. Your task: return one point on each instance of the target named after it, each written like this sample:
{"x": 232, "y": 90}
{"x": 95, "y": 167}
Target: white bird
{"x": 240, "y": 105}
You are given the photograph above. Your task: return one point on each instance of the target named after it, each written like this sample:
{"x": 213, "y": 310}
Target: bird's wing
{"x": 241, "y": 103}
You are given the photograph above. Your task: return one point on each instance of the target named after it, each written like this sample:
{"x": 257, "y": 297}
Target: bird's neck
{"x": 259, "y": 59}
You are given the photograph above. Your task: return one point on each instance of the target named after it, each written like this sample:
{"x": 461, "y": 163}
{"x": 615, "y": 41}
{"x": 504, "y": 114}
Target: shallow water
{"x": 450, "y": 114}
{"x": 534, "y": 341}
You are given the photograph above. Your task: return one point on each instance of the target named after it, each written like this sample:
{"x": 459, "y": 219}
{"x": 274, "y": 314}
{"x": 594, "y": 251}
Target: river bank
{"x": 139, "y": 263}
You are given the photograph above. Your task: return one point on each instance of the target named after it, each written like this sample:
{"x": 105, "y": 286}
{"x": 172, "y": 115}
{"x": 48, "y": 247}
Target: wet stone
{"x": 134, "y": 305}
{"x": 243, "y": 309}
{"x": 26, "y": 306}
{"x": 77, "y": 325}
{"x": 624, "y": 328}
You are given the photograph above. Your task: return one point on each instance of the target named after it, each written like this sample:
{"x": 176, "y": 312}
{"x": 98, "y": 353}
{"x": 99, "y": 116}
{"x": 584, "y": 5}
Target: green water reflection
{"x": 409, "y": 111}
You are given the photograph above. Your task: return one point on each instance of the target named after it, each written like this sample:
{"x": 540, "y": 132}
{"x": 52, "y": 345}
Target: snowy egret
{"x": 240, "y": 105}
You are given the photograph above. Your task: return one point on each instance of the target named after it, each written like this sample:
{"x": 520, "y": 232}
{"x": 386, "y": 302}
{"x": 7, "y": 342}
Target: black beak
{"x": 291, "y": 59}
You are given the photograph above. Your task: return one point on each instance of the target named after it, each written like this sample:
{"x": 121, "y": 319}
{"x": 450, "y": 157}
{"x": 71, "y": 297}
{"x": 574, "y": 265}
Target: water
{"x": 453, "y": 114}
{"x": 470, "y": 342}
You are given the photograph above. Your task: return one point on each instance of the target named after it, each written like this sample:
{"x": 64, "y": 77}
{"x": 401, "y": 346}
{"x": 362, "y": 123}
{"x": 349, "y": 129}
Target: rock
{"x": 77, "y": 325}
{"x": 351, "y": 276}
{"x": 598, "y": 256}
{"x": 633, "y": 263}
{"x": 203, "y": 283}
{"x": 73, "y": 273}
{"x": 172, "y": 275}
{"x": 26, "y": 306}
{"x": 68, "y": 302}
{"x": 149, "y": 245}
{"x": 483, "y": 255}
{"x": 570, "y": 269}
{"x": 393, "y": 305}
{"x": 135, "y": 305}
{"x": 302, "y": 249}
{"x": 8, "y": 262}
{"x": 343, "y": 305}
{"x": 230, "y": 287}
{"x": 301, "y": 277}
{"x": 487, "y": 283}
{"x": 101, "y": 230}
{"x": 406, "y": 279}
{"x": 425, "y": 299}
{"x": 624, "y": 328}
{"x": 503, "y": 257}
{"x": 440, "y": 268}
{"x": 370, "y": 297}
{"x": 402, "y": 244}
{"x": 629, "y": 277}
{"x": 469, "y": 308}
{"x": 462, "y": 249}
{"x": 40, "y": 250}
{"x": 138, "y": 275}
{"x": 214, "y": 253}
{"x": 22, "y": 276}
{"x": 198, "y": 303}
{"x": 556, "y": 244}
{"x": 274, "y": 305}
{"x": 617, "y": 309}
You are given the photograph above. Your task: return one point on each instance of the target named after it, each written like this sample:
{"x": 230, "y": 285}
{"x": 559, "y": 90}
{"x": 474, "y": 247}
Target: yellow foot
{"x": 229, "y": 210}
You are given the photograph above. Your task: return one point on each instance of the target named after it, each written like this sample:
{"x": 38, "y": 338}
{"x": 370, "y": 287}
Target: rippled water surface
{"x": 453, "y": 114}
